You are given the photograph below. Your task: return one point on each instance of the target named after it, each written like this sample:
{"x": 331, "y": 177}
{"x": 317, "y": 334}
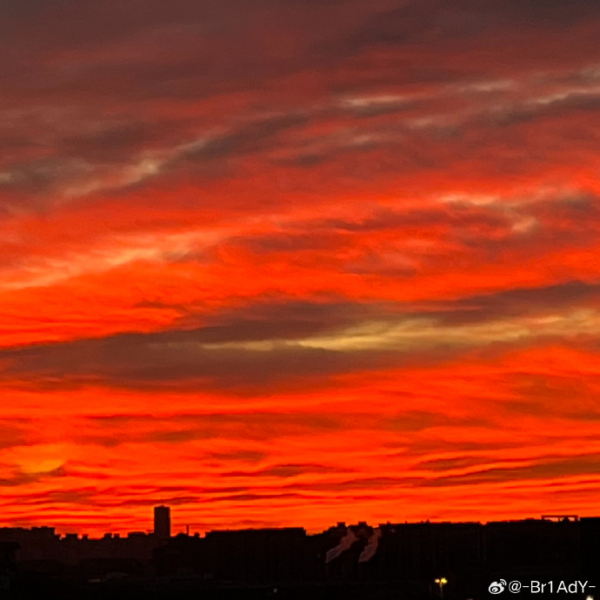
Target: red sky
{"x": 290, "y": 263}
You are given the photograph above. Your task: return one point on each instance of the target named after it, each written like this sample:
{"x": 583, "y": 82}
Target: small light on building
{"x": 441, "y": 581}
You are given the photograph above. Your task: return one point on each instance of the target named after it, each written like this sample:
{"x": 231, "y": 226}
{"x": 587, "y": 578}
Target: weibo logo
{"x": 497, "y": 587}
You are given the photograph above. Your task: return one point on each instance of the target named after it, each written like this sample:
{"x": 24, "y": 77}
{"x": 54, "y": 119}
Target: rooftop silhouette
{"x": 398, "y": 556}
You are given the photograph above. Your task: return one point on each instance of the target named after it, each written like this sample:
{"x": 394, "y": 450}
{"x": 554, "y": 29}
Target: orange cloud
{"x": 281, "y": 263}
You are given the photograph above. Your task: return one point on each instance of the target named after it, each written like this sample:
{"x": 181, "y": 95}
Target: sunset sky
{"x": 294, "y": 262}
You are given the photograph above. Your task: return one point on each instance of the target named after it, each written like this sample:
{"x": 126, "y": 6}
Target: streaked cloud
{"x": 261, "y": 256}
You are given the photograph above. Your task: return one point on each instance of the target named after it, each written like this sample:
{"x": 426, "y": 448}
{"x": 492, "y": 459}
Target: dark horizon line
{"x": 564, "y": 517}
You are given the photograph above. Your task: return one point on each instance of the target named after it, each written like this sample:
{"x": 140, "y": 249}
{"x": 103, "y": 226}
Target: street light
{"x": 441, "y": 581}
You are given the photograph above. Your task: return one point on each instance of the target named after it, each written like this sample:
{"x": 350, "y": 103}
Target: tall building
{"x": 162, "y": 522}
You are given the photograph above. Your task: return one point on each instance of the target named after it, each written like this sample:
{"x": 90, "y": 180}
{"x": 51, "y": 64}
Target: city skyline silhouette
{"x": 343, "y": 561}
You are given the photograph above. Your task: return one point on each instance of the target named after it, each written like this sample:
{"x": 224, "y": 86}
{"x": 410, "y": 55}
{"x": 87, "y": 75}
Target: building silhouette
{"x": 344, "y": 561}
{"x": 162, "y": 522}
